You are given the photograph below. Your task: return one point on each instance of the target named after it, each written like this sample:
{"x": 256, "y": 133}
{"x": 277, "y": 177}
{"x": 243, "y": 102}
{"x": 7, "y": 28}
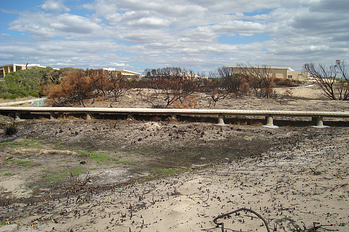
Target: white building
{"x": 8, "y": 68}
{"x": 271, "y": 71}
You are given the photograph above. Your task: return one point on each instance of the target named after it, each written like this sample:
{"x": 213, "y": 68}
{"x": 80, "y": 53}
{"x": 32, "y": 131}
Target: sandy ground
{"x": 301, "y": 187}
{"x": 306, "y": 184}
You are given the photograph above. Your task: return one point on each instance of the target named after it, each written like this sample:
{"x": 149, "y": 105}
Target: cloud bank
{"x": 198, "y": 34}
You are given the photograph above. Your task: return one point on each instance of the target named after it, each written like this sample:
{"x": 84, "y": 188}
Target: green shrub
{"x": 24, "y": 83}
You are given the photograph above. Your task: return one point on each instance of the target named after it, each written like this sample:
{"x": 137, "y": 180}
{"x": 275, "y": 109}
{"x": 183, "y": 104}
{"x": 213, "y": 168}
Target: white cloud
{"x": 239, "y": 27}
{"x": 127, "y": 17}
{"x": 44, "y": 26}
{"x": 52, "y": 5}
{"x": 155, "y": 33}
{"x": 150, "y": 22}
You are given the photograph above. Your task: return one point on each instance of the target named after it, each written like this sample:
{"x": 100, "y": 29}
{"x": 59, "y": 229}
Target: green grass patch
{"x": 82, "y": 153}
{"x": 24, "y": 163}
{"x": 59, "y": 145}
{"x": 9, "y": 144}
{"x": 126, "y": 162}
{"x": 58, "y": 178}
{"x": 100, "y": 158}
{"x": 23, "y": 143}
{"x": 9, "y": 160}
{"x": 8, "y": 174}
{"x": 75, "y": 171}
{"x": 48, "y": 171}
{"x": 168, "y": 172}
{"x": 92, "y": 169}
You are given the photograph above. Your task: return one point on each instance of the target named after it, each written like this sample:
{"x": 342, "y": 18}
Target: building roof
{"x": 125, "y": 72}
{"x": 109, "y": 69}
{"x": 271, "y": 67}
{"x": 23, "y": 65}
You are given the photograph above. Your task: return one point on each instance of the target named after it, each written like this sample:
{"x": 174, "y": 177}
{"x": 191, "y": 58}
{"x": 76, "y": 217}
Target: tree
{"x": 169, "y": 85}
{"x": 116, "y": 87}
{"x": 213, "y": 87}
{"x": 75, "y": 87}
{"x": 51, "y": 76}
{"x": 333, "y": 80}
{"x": 25, "y": 83}
{"x": 233, "y": 82}
{"x": 259, "y": 79}
{"x": 164, "y": 90}
{"x": 99, "y": 82}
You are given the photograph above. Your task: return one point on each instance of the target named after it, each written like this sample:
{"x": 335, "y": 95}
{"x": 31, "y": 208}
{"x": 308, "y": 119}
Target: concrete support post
{"x": 52, "y": 115}
{"x": 270, "y": 122}
{"x": 17, "y": 116}
{"x": 173, "y": 117}
{"x": 88, "y": 116}
{"x": 129, "y": 117}
{"x": 319, "y": 122}
{"x": 221, "y": 120}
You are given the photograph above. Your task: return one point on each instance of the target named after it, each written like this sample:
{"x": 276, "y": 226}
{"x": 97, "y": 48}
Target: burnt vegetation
{"x": 171, "y": 87}
{"x": 333, "y": 80}
{"x": 11, "y": 129}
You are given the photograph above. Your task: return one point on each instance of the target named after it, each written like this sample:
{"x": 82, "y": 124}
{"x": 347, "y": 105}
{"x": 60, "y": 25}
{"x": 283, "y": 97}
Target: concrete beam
{"x": 178, "y": 111}
{"x": 269, "y": 114}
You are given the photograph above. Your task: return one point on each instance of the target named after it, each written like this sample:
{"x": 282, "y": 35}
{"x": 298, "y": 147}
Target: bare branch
{"x": 332, "y": 80}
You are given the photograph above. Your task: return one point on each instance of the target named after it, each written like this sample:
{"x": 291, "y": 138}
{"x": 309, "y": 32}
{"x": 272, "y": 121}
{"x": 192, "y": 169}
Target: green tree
{"x": 27, "y": 82}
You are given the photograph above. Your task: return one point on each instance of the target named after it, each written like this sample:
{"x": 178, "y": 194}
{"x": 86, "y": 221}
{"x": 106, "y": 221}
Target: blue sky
{"x": 201, "y": 35}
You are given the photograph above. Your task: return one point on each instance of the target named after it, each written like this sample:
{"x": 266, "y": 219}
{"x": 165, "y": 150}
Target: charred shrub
{"x": 11, "y": 130}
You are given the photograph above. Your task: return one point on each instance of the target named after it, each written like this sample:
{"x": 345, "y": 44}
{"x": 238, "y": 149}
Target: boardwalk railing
{"x": 221, "y": 113}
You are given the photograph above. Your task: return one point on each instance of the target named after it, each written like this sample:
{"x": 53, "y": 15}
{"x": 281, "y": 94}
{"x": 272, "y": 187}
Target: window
{"x": 289, "y": 76}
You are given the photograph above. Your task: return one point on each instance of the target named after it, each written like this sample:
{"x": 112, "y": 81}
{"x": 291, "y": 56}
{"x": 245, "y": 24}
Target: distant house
{"x": 8, "y": 68}
{"x": 298, "y": 75}
{"x": 125, "y": 74}
{"x": 271, "y": 71}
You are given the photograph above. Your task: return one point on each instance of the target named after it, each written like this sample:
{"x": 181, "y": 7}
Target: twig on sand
{"x": 238, "y": 210}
